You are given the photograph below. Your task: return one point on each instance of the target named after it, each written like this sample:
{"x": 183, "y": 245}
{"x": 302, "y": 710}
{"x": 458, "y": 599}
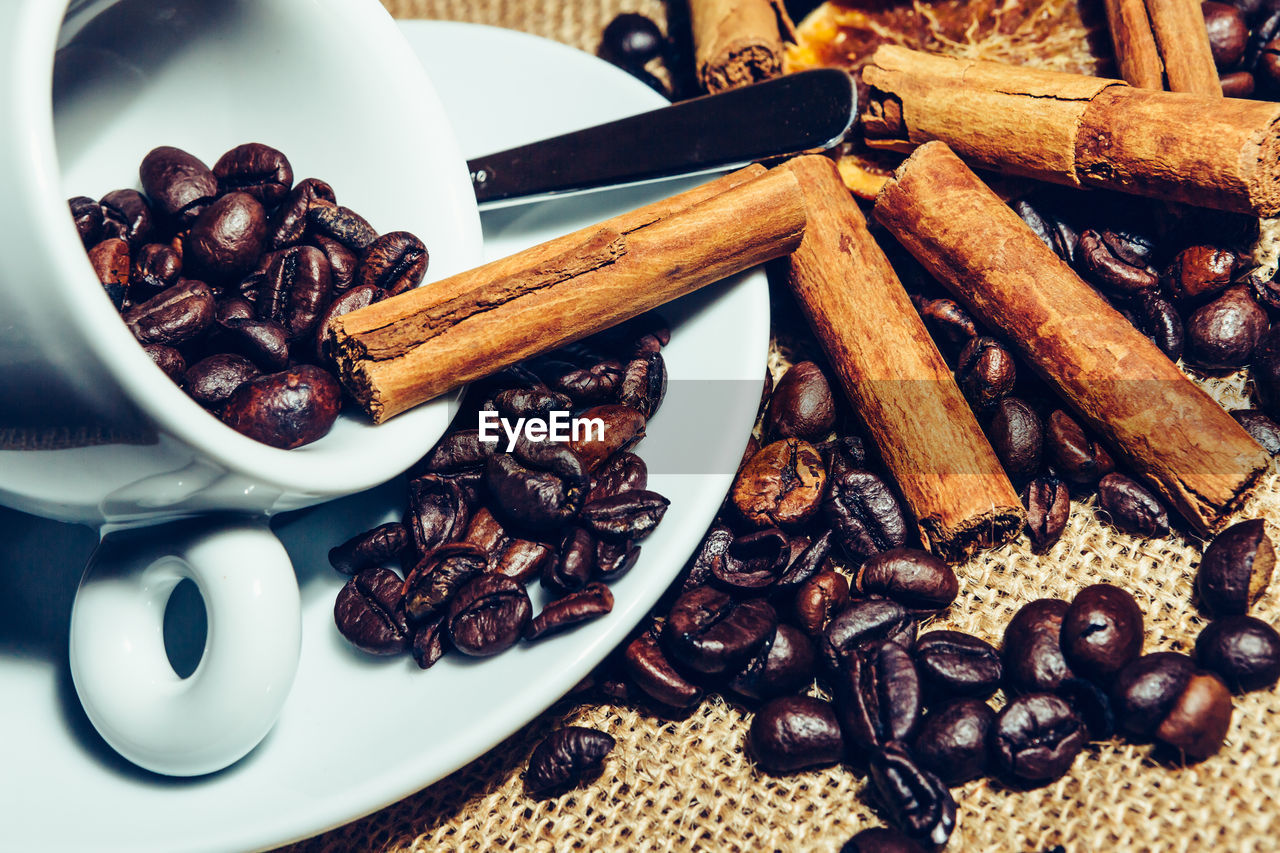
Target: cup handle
{"x": 212, "y": 718}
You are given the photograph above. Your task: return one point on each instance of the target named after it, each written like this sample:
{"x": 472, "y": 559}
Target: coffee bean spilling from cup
{"x": 229, "y": 276}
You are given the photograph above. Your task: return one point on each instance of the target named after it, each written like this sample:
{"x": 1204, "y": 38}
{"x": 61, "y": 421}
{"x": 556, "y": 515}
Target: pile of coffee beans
{"x": 1244, "y": 36}
{"x": 482, "y": 522}
{"x": 229, "y": 276}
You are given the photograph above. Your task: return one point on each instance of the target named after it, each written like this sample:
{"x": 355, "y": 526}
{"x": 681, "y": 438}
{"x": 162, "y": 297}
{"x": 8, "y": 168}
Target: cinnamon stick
{"x": 893, "y": 374}
{"x": 738, "y": 42}
{"x": 405, "y": 350}
{"x": 1077, "y": 130}
{"x": 1183, "y": 41}
{"x": 1135, "y": 44}
{"x": 1169, "y": 431}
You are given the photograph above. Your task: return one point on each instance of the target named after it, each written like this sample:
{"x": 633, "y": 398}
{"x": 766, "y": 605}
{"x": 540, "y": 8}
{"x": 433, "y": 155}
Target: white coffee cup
{"x": 92, "y": 431}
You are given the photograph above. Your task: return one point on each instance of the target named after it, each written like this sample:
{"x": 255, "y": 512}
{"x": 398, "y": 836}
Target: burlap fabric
{"x": 686, "y": 784}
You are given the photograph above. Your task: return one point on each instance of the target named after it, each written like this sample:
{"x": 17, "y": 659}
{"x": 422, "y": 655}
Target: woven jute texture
{"x": 686, "y": 784}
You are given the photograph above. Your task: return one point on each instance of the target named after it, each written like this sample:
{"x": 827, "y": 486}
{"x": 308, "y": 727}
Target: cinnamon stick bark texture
{"x": 737, "y": 42}
{"x": 1183, "y": 41}
{"x": 405, "y": 350}
{"x": 895, "y": 377}
{"x": 1081, "y": 131}
{"x": 1135, "y": 44}
{"x": 1169, "y": 431}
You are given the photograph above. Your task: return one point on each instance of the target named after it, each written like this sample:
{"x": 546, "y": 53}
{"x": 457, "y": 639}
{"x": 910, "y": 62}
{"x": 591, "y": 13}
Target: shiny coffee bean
{"x": 286, "y": 409}
{"x": 212, "y": 380}
{"x": 174, "y": 316}
{"x": 566, "y": 758}
{"x": 808, "y": 556}
{"x": 342, "y": 261}
{"x": 127, "y": 215}
{"x": 343, "y": 225}
{"x": 782, "y": 485}
{"x": 87, "y": 215}
{"x": 1228, "y": 32}
{"x": 522, "y": 560}
{"x": 630, "y": 40}
{"x": 947, "y": 321}
{"x": 1237, "y": 84}
{"x": 1036, "y": 737}
{"x": 460, "y": 451}
{"x": 1260, "y": 428}
{"x": 644, "y": 383}
{"x": 880, "y": 839}
{"x": 1129, "y": 246}
{"x": 1265, "y": 290}
{"x": 395, "y": 262}
{"x": 264, "y": 342}
{"x": 1076, "y": 456}
{"x": 233, "y": 308}
{"x": 615, "y": 558}
{"x": 155, "y": 267}
{"x": 256, "y": 169}
{"x": 227, "y": 238}
{"x": 1132, "y": 507}
{"x": 288, "y": 226}
{"x": 794, "y": 733}
{"x": 369, "y": 549}
{"x": 1017, "y": 436}
{"x": 647, "y": 665}
{"x": 369, "y": 612}
{"x": 351, "y": 300}
{"x": 1101, "y": 265}
{"x": 179, "y": 184}
{"x": 296, "y": 291}
{"x": 1048, "y": 506}
{"x": 802, "y": 405}
{"x": 1199, "y": 272}
{"x": 516, "y": 403}
{"x": 623, "y": 428}
{"x": 753, "y": 562}
{"x": 575, "y": 562}
{"x": 818, "y": 599}
{"x": 539, "y": 484}
{"x": 862, "y": 624}
{"x": 623, "y": 472}
{"x": 429, "y": 641}
{"x": 916, "y": 800}
{"x": 1198, "y": 722}
{"x": 1145, "y": 691}
{"x": 952, "y": 741}
{"x": 597, "y": 383}
{"x": 591, "y": 602}
{"x": 985, "y": 372}
{"x": 437, "y": 513}
{"x": 1236, "y": 568}
{"x": 488, "y": 615}
{"x": 169, "y": 360}
{"x": 1052, "y": 231}
{"x": 878, "y": 696}
{"x": 1224, "y": 333}
{"x": 1101, "y": 631}
{"x": 1243, "y": 651}
{"x": 711, "y": 553}
{"x": 784, "y": 664}
{"x": 1155, "y": 317}
{"x": 864, "y": 514}
{"x": 110, "y": 262}
{"x": 710, "y": 632}
{"x": 1031, "y": 651}
{"x": 438, "y": 577}
{"x": 915, "y": 579}
{"x": 954, "y": 664}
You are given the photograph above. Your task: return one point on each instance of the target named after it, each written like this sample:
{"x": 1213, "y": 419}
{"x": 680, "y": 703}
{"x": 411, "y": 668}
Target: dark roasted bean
{"x": 1076, "y": 456}
{"x": 179, "y": 184}
{"x": 878, "y": 696}
{"x": 575, "y": 562}
{"x": 1146, "y": 690}
{"x": 1224, "y": 333}
{"x": 395, "y": 262}
{"x": 174, "y": 316}
{"x": 807, "y": 563}
{"x": 110, "y": 262}
{"x": 864, "y": 514}
{"x": 438, "y": 576}
{"x": 985, "y": 372}
{"x": 591, "y": 602}
{"x": 343, "y": 225}
{"x": 566, "y": 758}
{"x": 802, "y": 405}
{"x": 1237, "y": 84}
{"x": 1031, "y": 651}
{"x": 437, "y": 513}
{"x": 624, "y": 472}
{"x": 1036, "y": 737}
{"x": 296, "y": 291}
{"x": 710, "y": 554}
{"x": 1260, "y": 428}
{"x": 1242, "y": 650}
{"x": 1199, "y": 272}
{"x": 523, "y": 559}
{"x": 1101, "y": 266}
{"x": 1101, "y": 631}
{"x": 127, "y": 215}
{"x": 631, "y": 40}
{"x": 369, "y": 612}
{"x": 539, "y": 484}
{"x": 954, "y": 664}
{"x": 429, "y": 641}
{"x": 709, "y": 632}
{"x": 263, "y": 342}
{"x": 862, "y": 624}
{"x": 1198, "y": 722}
{"x": 648, "y": 667}
{"x": 232, "y": 308}
{"x": 342, "y": 261}
{"x": 488, "y": 615}
{"x": 948, "y": 321}
{"x": 169, "y": 360}
{"x": 1092, "y": 702}
{"x": 516, "y": 403}
{"x": 793, "y": 733}
{"x": 1048, "y": 506}
{"x": 782, "y": 485}
{"x": 623, "y": 428}
{"x": 597, "y": 383}
{"x": 227, "y": 238}
{"x": 615, "y": 559}
{"x": 351, "y": 300}
{"x": 1132, "y": 507}
{"x": 1228, "y": 32}
{"x": 754, "y": 561}
{"x": 289, "y": 224}
{"x": 256, "y": 169}
{"x": 87, "y": 215}
{"x": 1017, "y": 436}
{"x": 459, "y": 451}
{"x": 818, "y": 599}
{"x": 644, "y": 383}
{"x": 784, "y": 664}
{"x": 156, "y": 267}
{"x": 952, "y": 740}
{"x": 366, "y": 550}
{"x": 212, "y": 380}
{"x": 916, "y": 800}
{"x": 1236, "y": 568}
{"x": 1155, "y": 317}
{"x": 915, "y": 579}
{"x": 286, "y": 409}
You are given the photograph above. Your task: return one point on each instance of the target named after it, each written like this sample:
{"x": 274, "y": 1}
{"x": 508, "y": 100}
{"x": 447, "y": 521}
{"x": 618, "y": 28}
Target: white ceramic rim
{"x": 336, "y": 471}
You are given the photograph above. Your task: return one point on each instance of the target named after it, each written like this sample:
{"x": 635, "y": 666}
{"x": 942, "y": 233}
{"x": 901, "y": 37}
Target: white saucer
{"x": 359, "y": 733}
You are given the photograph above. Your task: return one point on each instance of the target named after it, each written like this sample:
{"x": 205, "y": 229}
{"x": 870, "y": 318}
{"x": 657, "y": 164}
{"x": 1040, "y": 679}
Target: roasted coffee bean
{"x": 793, "y": 733}
{"x": 1243, "y": 651}
{"x": 156, "y": 267}
{"x": 1036, "y": 737}
{"x": 1052, "y": 231}
{"x": 878, "y": 696}
{"x": 711, "y": 633}
{"x": 87, "y": 215}
{"x": 624, "y": 472}
{"x": 539, "y": 484}
{"x": 648, "y": 667}
{"x": 1146, "y": 690}
{"x": 644, "y": 383}
{"x": 784, "y": 664}
{"x": 1264, "y": 370}
{"x": 985, "y": 372}
{"x": 523, "y": 559}
{"x": 1017, "y": 436}
{"x": 1101, "y": 266}
{"x": 615, "y": 558}
{"x": 1237, "y": 84}
{"x": 915, "y": 799}
{"x": 264, "y": 342}
{"x": 1265, "y": 290}
{"x": 110, "y": 262}
{"x": 1228, "y": 32}
{"x": 1092, "y": 702}
{"x": 818, "y": 599}
{"x": 1101, "y": 631}
{"x": 598, "y": 383}
{"x": 807, "y": 563}
{"x": 1224, "y": 333}
{"x": 1236, "y": 568}
{"x": 710, "y": 554}
{"x": 1199, "y": 272}
{"x": 753, "y": 562}
{"x": 591, "y": 602}
{"x": 947, "y": 321}
{"x": 296, "y": 291}
{"x": 352, "y": 300}
{"x": 952, "y": 741}
{"x": 343, "y": 225}
{"x": 1198, "y": 722}
{"x": 1155, "y": 317}
{"x": 211, "y": 381}
{"x": 1260, "y": 428}
{"x": 575, "y": 562}
{"x": 862, "y": 624}
{"x": 286, "y": 409}
{"x": 289, "y": 224}
{"x": 864, "y": 514}
{"x": 1076, "y": 456}
{"x": 623, "y": 428}
{"x": 516, "y": 403}
{"x": 782, "y": 485}
{"x": 566, "y": 758}
{"x": 169, "y": 360}
{"x": 395, "y": 262}
{"x": 127, "y": 216}
{"x": 459, "y": 451}
{"x": 429, "y": 641}
{"x": 915, "y": 579}
{"x": 630, "y": 515}
{"x": 174, "y": 316}
{"x": 954, "y": 664}
{"x": 437, "y": 513}
{"x": 1031, "y": 651}
{"x": 256, "y": 169}
{"x": 1048, "y": 506}
{"x": 438, "y": 576}
{"x": 342, "y": 261}
{"x": 179, "y": 184}
{"x": 881, "y": 839}
{"x": 488, "y": 615}
{"x": 1132, "y": 507}
{"x": 227, "y": 238}
{"x": 369, "y": 612}
{"x": 802, "y": 405}
{"x": 232, "y": 308}
{"x": 366, "y": 550}
{"x": 1130, "y": 247}
{"x": 630, "y": 40}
